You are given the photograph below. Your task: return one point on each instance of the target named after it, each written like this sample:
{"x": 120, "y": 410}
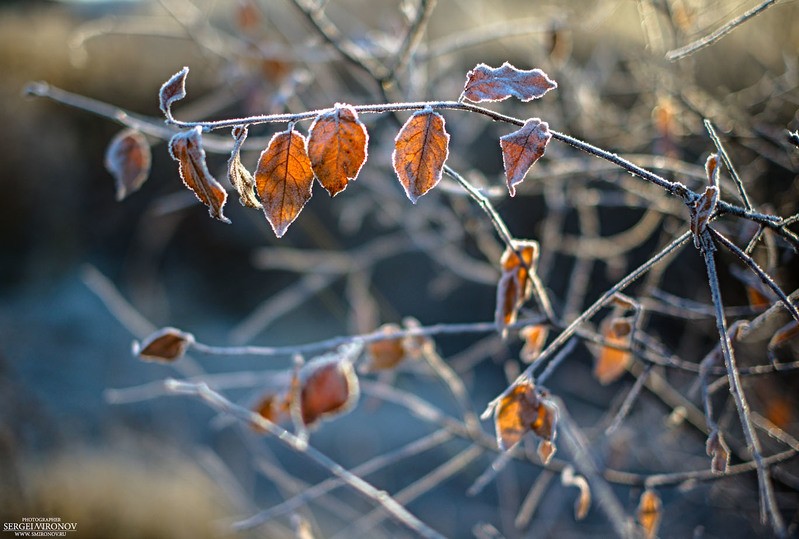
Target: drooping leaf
{"x": 712, "y": 169}
{"x": 337, "y": 147}
{"x": 523, "y": 409}
{"x": 128, "y": 160}
{"x": 273, "y": 407}
{"x": 165, "y": 345}
{"x": 521, "y": 149}
{"x": 717, "y": 449}
{"x": 612, "y": 362}
{"x": 387, "y": 353}
{"x": 172, "y": 90}
{"x": 328, "y": 388}
{"x": 186, "y": 148}
{"x": 515, "y": 287}
{"x": 238, "y": 176}
{"x": 702, "y": 211}
{"x": 284, "y": 179}
{"x": 649, "y": 513}
{"x": 484, "y": 83}
{"x": 534, "y": 339}
{"x": 420, "y": 151}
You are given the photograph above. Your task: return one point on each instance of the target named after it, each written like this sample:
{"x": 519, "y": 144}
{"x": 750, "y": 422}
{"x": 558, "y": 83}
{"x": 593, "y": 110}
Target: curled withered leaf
{"x": 515, "y": 286}
{"x": 284, "y": 179}
{"x": 484, "y": 83}
{"x": 172, "y": 90}
{"x": 702, "y": 211}
{"x": 612, "y": 362}
{"x": 783, "y": 335}
{"x": 273, "y": 407}
{"x": 238, "y": 176}
{"x": 712, "y": 169}
{"x": 420, "y": 151}
{"x": 522, "y": 409}
{"x": 387, "y": 353}
{"x": 329, "y": 387}
{"x": 337, "y": 147}
{"x": 128, "y": 160}
{"x": 186, "y": 148}
{"x": 165, "y": 345}
{"x": 717, "y": 449}
{"x": 534, "y": 338}
{"x": 521, "y": 149}
{"x": 649, "y": 513}
{"x": 583, "y": 503}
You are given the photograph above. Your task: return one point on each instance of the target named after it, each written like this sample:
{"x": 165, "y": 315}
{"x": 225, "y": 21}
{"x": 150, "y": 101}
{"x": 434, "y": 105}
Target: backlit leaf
{"x": 420, "y": 150}
{"x": 515, "y": 286}
{"x": 702, "y": 211}
{"x": 172, "y": 90}
{"x": 328, "y": 388}
{"x": 337, "y": 147}
{"x": 239, "y": 177}
{"x": 712, "y": 169}
{"x": 284, "y": 179}
{"x": 128, "y": 160}
{"x": 611, "y": 362}
{"x": 186, "y": 148}
{"x": 387, "y": 353}
{"x": 273, "y": 407}
{"x": 649, "y": 513}
{"x": 717, "y": 449}
{"x": 165, "y": 345}
{"x": 484, "y": 83}
{"x": 523, "y": 409}
{"x": 534, "y": 339}
{"x": 521, "y": 149}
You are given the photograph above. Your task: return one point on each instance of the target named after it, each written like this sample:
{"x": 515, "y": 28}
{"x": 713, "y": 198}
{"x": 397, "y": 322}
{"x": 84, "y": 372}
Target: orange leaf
{"x": 387, "y": 353}
{"x": 272, "y": 407}
{"x": 186, "y": 148}
{"x": 420, "y": 150}
{"x": 757, "y": 300}
{"x": 649, "y": 512}
{"x": 337, "y": 147}
{"x": 238, "y": 176}
{"x": 172, "y": 90}
{"x": 284, "y": 179}
{"x": 612, "y": 362}
{"x": 712, "y": 169}
{"x": 522, "y": 409}
{"x": 165, "y": 345}
{"x": 128, "y": 160}
{"x": 515, "y": 286}
{"x": 484, "y": 83}
{"x": 328, "y": 388}
{"x": 534, "y": 339}
{"x": 521, "y": 149}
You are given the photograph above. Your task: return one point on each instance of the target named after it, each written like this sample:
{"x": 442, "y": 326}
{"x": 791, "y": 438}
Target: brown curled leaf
{"x": 165, "y": 345}
{"x": 172, "y": 90}
{"x": 523, "y": 409}
{"x": 238, "y": 176}
{"x": 484, "y": 83}
{"x": 186, "y": 148}
{"x": 420, "y": 151}
{"x": 612, "y": 362}
{"x": 534, "y": 338}
{"x": 387, "y": 353}
{"x": 702, "y": 211}
{"x": 337, "y": 147}
{"x": 515, "y": 286}
{"x": 712, "y": 170}
{"x": 719, "y": 452}
{"x": 274, "y": 407}
{"x": 521, "y": 149}
{"x": 284, "y": 179}
{"x": 649, "y": 513}
{"x": 128, "y": 160}
{"x": 328, "y": 388}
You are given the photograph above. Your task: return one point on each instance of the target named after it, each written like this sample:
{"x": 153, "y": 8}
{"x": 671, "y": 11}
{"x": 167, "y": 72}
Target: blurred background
{"x": 82, "y": 275}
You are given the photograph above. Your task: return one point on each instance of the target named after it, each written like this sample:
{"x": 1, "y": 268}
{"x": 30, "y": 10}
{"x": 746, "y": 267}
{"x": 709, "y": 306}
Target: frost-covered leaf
{"x": 712, "y": 169}
{"x": 329, "y": 387}
{"x": 702, "y": 211}
{"x": 521, "y": 149}
{"x": 284, "y": 179}
{"x": 484, "y": 83}
{"x": 165, "y": 345}
{"x": 534, "y": 339}
{"x": 186, "y": 148}
{"x": 515, "y": 287}
{"x": 612, "y": 362}
{"x": 649, "y": 513}
{"x": 523, "y": 409}
{"x": 337, "y": 147}
{"x": 128, "y": 160}
{"x": 387, "y": 353}
{"x": 238, "y": 176}
{"x": 420, "y": 151}
{"x": 172, "y": 90}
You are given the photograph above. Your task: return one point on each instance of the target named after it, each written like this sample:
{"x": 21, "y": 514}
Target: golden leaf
{"x": 420, "y": 151}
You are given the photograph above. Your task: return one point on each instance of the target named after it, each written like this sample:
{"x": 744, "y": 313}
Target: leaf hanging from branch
{"x": 612, "y": 362}
{"x": 128, "y": 160}
{"x": 649, "y": 513}
{"x": 515, "y": 286}
{"x": 186, "y": 148}
{"x": 172, "y": 90}
{"x": 521, "y": 149}
{"x": 284, "y": 179}
{"x": 164, "y": 346}
{"x": 239, "y": 177}
{"x": 420, "y": 151}
{"x": 337, "y": 147}
{"x": 485, "y": 83}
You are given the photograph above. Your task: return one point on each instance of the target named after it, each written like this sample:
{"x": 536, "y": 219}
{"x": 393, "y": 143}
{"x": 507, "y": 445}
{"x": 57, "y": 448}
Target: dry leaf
{"x": 284, "y": 179}
{"x": 387, "y": 353}
{"x": 521, "y": 149}
{"x": 649, "y": 512}
{"x": 611, "y": 362}
{"x": 172, "y": 90}
{"x": 420, "y": 150}
{"x": 484, "y": 83}
{"x": 274, "y": 408}
{"x": 702, "y": 211}
{"x": 165, "y": 345}
{"x": 717, "y": 449}
{"x": 337, "y": 147}
{"x": 515, "y": 286}
{"x": 534, "y": 339}
{"x": 520, "y": 410}
{"x": 238, "y": 176}
{"x": 328, "y": 388}
{"x": 128, "y": 160}
{"x": 186, "y": 148}
{"x": 712, "y": 169}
